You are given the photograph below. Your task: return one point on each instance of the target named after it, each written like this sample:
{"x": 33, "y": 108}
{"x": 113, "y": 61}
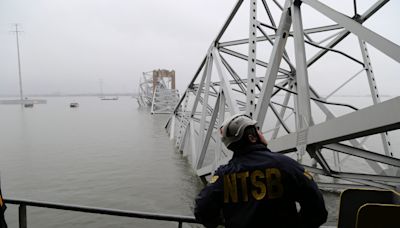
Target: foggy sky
{"x": 68, "y": 46}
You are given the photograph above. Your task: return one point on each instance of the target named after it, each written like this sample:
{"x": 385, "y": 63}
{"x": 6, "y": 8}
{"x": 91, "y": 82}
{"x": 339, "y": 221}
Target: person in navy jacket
{"x": 258, "y": 188}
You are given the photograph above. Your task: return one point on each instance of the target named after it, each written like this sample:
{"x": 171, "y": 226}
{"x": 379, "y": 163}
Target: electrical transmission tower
{"x": 17, "y": 31}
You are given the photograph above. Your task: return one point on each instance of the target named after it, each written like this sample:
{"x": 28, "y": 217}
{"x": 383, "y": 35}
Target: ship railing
{"x": 23, "y": 204}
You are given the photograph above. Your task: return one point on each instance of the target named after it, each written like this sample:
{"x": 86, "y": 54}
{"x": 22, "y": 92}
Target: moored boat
{"x": 74, "y": 105}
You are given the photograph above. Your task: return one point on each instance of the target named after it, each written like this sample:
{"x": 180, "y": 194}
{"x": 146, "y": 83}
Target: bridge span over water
{"x": 285, "y": 68}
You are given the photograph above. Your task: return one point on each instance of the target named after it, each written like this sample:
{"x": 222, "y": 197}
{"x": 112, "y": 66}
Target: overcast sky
{"x": 68, "y": 46}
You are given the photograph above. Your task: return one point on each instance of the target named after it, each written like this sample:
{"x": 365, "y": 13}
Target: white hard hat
{"x": 232, "y": 129}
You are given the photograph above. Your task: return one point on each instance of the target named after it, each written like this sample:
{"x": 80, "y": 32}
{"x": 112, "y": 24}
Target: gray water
{"x": 104, "y": 154}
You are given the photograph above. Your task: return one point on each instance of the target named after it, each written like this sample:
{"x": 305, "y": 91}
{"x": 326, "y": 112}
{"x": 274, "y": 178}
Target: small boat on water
{"x": 28, "y": 105}
{"x": 74, "y": 105}
{"x": 109, "y": 98}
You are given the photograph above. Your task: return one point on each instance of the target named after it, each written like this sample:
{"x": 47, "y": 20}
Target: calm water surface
{"x": 105, "y": 154}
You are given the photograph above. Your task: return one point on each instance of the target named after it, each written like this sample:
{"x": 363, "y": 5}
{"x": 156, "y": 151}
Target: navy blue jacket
{"x": 259, "y": 188}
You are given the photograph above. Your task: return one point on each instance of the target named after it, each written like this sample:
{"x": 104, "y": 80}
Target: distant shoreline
{"x": 71, "y": 95}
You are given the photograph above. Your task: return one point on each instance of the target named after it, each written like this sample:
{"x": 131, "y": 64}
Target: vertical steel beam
{"x": 374, "y": 92}
{"x": 251, "y": 71}
{"x": 303, "y": 107}
{"x": 274, "y": 63}
{"x": 192, "y": 139}
{"x": 303, "y": 88}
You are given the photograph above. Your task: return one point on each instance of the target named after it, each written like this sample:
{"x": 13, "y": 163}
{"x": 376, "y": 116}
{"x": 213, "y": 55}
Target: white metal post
{"x": 252, "y": 56}
{"x": 303, "y": 108}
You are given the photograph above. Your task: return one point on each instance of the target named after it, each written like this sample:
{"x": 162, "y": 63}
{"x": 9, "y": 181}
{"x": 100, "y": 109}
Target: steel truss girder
{"x": 368, "y": 121}
{"x": 222, "y": 91}
{"x": 368, "y": 179}
{"x": 358, "y": 152}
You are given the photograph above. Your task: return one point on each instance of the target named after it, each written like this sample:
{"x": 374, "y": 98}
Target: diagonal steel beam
{"x": 271, "y": 18}
{"x": 226, "y": 87}
{"x": 384, "y": 45}
{"x": 203, "y": 62}
{"x": 228, "y": 21}
{"x": 210, "y": 129}
{"x": 235, "y": 76}
{"x": 206, "y": 71}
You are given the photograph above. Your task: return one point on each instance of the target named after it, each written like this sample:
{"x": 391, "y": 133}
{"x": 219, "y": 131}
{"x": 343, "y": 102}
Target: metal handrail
{"x": 95, "y": 210}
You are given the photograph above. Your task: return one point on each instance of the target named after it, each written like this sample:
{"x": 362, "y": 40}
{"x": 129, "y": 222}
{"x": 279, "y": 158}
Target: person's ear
{"x": 262, "y": 138}
{"x": 252, "y": 138}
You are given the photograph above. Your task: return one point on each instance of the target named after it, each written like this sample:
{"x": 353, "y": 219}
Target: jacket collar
{"x": 249, "y": 149}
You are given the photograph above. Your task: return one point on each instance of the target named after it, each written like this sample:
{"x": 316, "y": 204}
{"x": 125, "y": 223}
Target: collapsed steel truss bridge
{"x": 157, "y": 90}
{"x": 270, "y": 76}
